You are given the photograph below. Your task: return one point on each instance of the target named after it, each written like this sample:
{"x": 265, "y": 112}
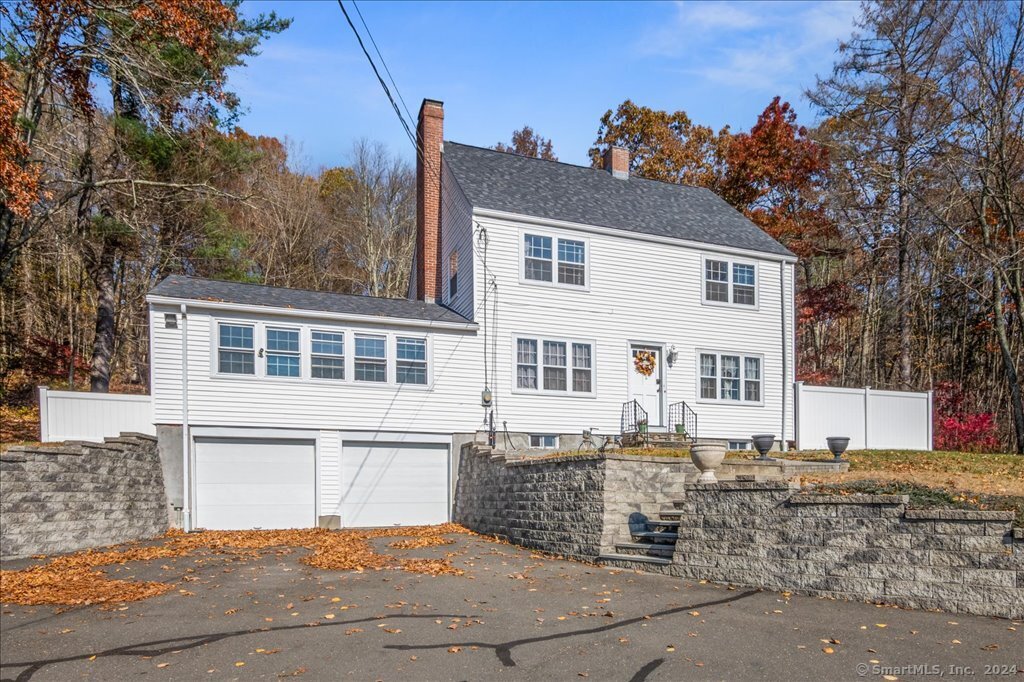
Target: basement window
{"x": 543, "y": 441}
{"x": 739, "y": 445}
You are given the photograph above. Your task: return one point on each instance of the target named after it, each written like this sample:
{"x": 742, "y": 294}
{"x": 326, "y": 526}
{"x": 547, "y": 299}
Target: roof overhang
{"x": 314, "y": 314}
{"x": 629, "y": 234}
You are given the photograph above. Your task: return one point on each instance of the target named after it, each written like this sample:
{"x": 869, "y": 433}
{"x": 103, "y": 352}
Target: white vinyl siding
{"x": 729, "y": 282}
{"x": 729, "y": 377}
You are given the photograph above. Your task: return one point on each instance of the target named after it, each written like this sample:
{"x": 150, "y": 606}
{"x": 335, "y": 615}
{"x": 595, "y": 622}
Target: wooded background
{"x": 121, "y": 162}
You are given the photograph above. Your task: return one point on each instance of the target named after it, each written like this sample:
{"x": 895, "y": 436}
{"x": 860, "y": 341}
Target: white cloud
{"x": 767, "y": 46}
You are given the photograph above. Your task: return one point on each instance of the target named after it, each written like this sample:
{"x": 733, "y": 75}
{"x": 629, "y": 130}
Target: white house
{"x": 562, "y": 293}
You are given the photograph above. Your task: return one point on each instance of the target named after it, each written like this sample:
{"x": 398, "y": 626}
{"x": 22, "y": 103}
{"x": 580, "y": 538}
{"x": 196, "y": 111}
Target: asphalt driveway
{"x": 513, "y": 615}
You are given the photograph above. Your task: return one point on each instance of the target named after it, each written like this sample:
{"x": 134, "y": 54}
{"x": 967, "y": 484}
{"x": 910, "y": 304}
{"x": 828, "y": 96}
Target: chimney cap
{"x": 427, "y": 102}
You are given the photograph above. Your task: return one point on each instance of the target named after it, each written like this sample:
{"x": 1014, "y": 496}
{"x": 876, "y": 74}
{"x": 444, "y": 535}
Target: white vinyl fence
{"x": 871, "y": 419}
{"x": 75, "y": 415}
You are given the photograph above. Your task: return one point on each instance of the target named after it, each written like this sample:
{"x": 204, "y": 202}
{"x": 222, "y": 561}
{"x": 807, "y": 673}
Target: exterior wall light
{"x": 672, "y": 355}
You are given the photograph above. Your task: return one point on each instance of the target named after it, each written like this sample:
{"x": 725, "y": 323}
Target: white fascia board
{"x": 629, "y": 234}
{"x": 316, "y": 314}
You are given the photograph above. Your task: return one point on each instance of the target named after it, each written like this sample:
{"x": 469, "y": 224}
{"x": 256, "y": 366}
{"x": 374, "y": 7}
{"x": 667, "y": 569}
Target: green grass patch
{"x": 927, "y": 497}
{"x": 914, "y": 461}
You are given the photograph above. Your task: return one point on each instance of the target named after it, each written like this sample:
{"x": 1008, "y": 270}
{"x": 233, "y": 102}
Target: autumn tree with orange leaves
{"x": 112, "y": 95}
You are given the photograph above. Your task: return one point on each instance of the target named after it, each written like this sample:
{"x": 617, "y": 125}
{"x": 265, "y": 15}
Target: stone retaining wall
{"x": 861, "y": 547}
{"x": 574, "y": 506}
{"x": 69, "y": 496}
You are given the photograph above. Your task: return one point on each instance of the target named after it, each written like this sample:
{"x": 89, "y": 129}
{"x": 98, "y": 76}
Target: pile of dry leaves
{"x": 74, "y": 578}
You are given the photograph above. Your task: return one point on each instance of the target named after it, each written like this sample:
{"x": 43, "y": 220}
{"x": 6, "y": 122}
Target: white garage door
{"x": 243, "y": 483}
{"x": 393, "y": 484}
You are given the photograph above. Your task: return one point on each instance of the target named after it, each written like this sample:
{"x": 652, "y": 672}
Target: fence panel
{"x": 871, "y": 419}
{"x": 75, "y": 415}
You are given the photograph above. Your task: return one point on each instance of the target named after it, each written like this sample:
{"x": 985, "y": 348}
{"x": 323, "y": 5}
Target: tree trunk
{"x": 101, "y": 270}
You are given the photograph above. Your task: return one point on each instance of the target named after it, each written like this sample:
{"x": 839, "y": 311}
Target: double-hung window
{"x": 554, "y": 366}
{"x": 236, "y": 353}
{"x": 411, "y": 366}
{"x": 327, "y": 357}
{"x": 526, "y": 363}
{"x": 283, "y": 358}
{"x": 547, "y": 259}
{"x": 371, "y": 361}
{"x": 730, "y": 282}
{"x": 729, "y": 377}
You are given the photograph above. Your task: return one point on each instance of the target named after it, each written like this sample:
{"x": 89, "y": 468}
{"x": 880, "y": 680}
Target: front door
{"x": 645, "y": 384}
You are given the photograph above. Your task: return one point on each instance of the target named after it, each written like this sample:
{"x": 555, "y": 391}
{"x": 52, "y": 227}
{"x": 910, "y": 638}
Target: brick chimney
{"x": 429, "y": 137}
{"x": 616, "y": 162}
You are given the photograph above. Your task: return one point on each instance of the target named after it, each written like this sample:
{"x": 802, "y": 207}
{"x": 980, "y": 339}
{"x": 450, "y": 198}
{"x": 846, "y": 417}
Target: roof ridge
{"x": 576, "y": 165}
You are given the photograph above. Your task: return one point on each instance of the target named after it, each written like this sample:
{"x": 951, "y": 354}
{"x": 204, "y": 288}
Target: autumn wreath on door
{"x": 644, "y": 362}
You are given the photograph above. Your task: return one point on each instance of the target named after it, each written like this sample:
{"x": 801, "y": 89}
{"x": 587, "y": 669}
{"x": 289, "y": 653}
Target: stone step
{"x": 657, "y": 537}
{"x": 663, "y": 525}
{"x": 644, "y": 549}
{"x": 632, "y": 561}
{"x": 670, "y": 515}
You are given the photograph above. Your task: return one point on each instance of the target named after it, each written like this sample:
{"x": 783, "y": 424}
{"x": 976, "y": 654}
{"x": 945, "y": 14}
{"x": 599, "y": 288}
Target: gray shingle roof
{"x": 200, "y": 289}
{"x": 560, "y": 191}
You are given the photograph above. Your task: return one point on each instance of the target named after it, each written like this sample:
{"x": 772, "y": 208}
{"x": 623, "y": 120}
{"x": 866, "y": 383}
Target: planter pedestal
{"x": 707, "y": 457}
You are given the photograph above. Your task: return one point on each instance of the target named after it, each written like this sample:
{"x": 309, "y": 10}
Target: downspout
{"x": 785, "y": 364}
{"x": 186, "y": 506}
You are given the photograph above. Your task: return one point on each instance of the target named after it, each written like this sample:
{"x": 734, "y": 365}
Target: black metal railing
{"x": 633, "y": 417}
{"x": 680, "y": 413}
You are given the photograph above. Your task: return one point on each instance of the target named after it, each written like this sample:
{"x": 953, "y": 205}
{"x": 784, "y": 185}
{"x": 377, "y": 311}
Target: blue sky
{"x": 555, "y": 66}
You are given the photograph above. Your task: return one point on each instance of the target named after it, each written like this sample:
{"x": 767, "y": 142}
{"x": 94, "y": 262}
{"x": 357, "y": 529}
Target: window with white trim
{"x": 236, "y": 351}
{"x": 730, "y": 377}
{"x": 371, "y": 359}
{"x": 411, "y": 366}
{"x": 739, "y": 445}
{"x": 730, "y": 282}
{"x": 526, "y": 363}
{"x": 327, "y": 357}
{"x": 554, "y": 365}
{"x": 283, "y": 355}
{"x": 543, "y": 441}
{"x": 562, "y": 261}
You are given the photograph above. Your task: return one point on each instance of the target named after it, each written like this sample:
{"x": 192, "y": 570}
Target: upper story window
{"x": 371, "y": 358}
{"x": 724, "y": 376}
{"x": 453, "y": 274}
{"x": 283, "y": 359}
{"x": 327, "y": 360}
{"x": 730, "y": 282}
{"x": 554, "y": 366}
{"x": 554, "y": 260}
{"x": 236, "y": 353}
{"x": 411, "y": 367}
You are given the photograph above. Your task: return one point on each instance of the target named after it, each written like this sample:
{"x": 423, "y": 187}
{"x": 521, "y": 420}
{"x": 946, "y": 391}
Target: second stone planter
{"x": 708, "y": 458}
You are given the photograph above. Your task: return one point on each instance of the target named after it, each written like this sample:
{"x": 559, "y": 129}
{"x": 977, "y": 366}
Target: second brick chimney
{"x": 616, "y": 162}
{"x": 429, "y": 138}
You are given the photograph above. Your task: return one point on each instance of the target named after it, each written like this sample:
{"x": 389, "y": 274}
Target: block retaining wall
{"x": 75, "y": 495}
{"x": 574, "y": 506}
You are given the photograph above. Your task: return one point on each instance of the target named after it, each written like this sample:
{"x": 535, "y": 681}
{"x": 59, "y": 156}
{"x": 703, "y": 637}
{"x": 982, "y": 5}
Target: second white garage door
{"x": 245, "y": 483}
{"x": 393, "y": 484}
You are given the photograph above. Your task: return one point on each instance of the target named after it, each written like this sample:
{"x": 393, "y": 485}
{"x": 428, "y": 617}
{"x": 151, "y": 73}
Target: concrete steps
{"x": 649, "y": 550}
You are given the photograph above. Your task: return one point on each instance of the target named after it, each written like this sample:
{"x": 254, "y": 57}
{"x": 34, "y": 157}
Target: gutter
{"x": 785, "y": 364}
{"x": 316, "y": 314}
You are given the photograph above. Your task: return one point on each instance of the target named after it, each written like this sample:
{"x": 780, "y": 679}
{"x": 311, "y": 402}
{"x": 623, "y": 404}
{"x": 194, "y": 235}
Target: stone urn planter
{"x": 837, "y": 446}
{"x": 707, "y": 457}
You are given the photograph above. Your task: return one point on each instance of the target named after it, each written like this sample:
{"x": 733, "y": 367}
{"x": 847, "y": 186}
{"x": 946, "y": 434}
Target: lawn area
{"x": 961, "y": 471}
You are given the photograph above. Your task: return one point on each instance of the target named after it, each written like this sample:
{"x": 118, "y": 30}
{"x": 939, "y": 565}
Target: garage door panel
{"x": 243, "y": 483}
{"x": 388, "y": 484}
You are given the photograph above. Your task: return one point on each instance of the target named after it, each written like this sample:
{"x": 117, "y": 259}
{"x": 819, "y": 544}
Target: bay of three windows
{"x": 557, "y": 366}
{"x": 724, "y": 376}
{"x": 282, "y": 355}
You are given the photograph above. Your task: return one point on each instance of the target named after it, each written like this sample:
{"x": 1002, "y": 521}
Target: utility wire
{"x": 383, "y": 63}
